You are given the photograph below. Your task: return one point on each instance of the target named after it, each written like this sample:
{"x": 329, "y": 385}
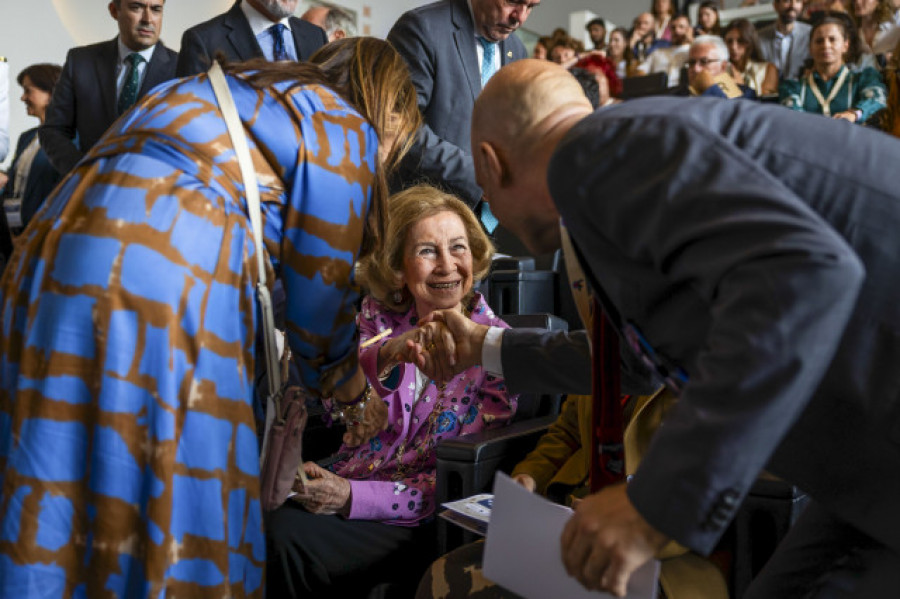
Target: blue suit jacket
{"x": 438, "y": 43}
{"x": 84, "y": 99}
{"x": 230, "y": 34}
{"x": 768, "y": 271}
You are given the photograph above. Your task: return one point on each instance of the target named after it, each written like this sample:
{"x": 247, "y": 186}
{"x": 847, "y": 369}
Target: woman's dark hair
{"x": 42, "y": 75}
{"x": 748, "y": 35}
{"x": 848, "y": 30}
{"x": 628, "y": 54}
{"x": 714, "y": 6}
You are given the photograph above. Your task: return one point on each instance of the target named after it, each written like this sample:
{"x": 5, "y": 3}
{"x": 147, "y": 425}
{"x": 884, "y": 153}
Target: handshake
{"x": 445, "y": 343}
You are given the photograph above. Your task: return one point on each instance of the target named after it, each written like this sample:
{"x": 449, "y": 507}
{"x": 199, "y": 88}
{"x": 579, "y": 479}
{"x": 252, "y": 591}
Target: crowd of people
{"x": 759, "y": 297}
{"x": 782, "y": 61}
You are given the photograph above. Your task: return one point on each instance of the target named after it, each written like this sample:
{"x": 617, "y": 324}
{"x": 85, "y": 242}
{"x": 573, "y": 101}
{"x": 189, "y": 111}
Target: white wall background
{"x": 43, "y": 30}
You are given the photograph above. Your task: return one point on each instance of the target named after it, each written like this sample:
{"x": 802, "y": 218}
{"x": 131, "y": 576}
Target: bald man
{"x": 767, "y": 275}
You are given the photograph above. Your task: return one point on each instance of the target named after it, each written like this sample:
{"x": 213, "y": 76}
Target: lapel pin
{"x": 509, "y": 54}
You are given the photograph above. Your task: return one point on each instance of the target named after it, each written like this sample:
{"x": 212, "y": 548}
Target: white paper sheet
{"x": 522, "y": 551}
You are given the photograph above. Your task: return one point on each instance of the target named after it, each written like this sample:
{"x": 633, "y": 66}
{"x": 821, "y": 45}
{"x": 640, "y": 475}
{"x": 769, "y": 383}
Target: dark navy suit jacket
{"x": 765, "y": 268}
{"x": 84, "y": 99}
{"x": 230, "y": 34}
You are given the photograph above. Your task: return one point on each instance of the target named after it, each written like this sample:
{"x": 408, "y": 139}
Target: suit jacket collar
{"x": 105, "y": 69}
{"x": 240, "y": 36}
{"x": 159, "y": 69}
{"x": 464, "y": 38}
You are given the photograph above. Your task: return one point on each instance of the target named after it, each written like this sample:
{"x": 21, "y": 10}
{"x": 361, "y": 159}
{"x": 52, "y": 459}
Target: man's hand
{"x": 325, "y": 493}
{"x": 462, "y": 351}
{"x": 375, "y": 420}
{"x": 606, "y": 540}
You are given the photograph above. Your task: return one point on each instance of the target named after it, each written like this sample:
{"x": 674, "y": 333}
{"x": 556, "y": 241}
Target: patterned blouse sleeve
{"x": 328, "y": 200}
{"x": 871, "y": 94}
{"x": 371, "y": 322}
{"x": 408, "y": 501}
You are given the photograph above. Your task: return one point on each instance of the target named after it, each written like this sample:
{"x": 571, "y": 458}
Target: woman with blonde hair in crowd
{"x": 368, "y": 519}
{"x": 129, "y": 462}
{"x": 746, "y": 60}
{"x": 830, "y": 87}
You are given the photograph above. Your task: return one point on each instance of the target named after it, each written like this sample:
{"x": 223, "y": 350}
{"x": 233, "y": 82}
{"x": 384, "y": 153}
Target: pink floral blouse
{"x": 472, "y": 401}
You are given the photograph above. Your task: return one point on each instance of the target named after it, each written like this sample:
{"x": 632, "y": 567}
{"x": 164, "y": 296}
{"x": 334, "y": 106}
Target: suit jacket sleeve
{"x": 777, "y": 282}
{"x": 541, "y": 361}
{"x": 432, "y": 157}
{"x": 193, "y": 57}
{"x": 57, "y": 134}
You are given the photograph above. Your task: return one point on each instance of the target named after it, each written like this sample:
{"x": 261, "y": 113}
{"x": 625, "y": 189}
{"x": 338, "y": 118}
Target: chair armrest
{"x": 494, "y": 443}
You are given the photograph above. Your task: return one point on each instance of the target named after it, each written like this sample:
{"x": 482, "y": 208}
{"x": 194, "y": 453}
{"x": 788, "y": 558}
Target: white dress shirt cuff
{"x": 490, "y": 351}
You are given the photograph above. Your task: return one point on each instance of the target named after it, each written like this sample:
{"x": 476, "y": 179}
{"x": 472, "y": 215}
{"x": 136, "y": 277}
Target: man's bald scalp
{"x": 521, "y": 104}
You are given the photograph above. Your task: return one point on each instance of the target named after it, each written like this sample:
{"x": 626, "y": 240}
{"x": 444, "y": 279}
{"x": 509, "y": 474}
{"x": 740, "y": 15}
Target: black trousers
{"x": 822, "y": 557}
{"x": 328, "y": 556}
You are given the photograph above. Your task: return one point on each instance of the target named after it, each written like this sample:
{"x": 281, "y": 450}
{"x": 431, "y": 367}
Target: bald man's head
{"x": 517, "y": 122}
{"x": 522, "y": 103}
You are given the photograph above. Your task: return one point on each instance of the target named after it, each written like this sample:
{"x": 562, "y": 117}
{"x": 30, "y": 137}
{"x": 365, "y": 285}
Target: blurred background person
{"x": 4, "y": 109}
{"x": 830, "y": 87}
{"x": 662, "y": 11}
{"x": 565, "y": 51}
{"x": 31, "y": 177}
{"x": 596, "y": 29}
{"x": 671, "y": 60}
{"x": 541, "y": 46}
{"x": 337, "y": 23}
{"x": 708, "y": 19}
{"x": 619, "y": 53}
{"x": 877, "y": 22}
{"x": 642, "y": 39}
{"x": 748, "y": 66}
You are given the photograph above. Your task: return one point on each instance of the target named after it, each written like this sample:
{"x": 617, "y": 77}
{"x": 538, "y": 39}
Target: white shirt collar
{"x": 124, "y": 51}
{"x": 258, "y": 21}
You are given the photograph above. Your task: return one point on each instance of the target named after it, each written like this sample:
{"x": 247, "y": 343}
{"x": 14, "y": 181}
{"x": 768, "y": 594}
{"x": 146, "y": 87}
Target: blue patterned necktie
{"x": 486, "y": 217}
{"x": 487, "y": 63}
{"x": 279, "y": 52}
{"x": 129, "y": 93}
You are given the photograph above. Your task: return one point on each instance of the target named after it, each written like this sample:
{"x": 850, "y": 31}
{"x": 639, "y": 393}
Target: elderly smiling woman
{"x": 376, "y": 504}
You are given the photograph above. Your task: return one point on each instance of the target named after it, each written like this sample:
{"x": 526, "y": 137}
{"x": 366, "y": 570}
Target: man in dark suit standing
{"x": 250, "y": 29}
{"x": 101, "y": 81}
{"x": 452, "y": 47}
{"x": 763, "y": 274}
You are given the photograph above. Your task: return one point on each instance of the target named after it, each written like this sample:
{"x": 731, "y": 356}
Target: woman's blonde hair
{"x": 380, "y": 272}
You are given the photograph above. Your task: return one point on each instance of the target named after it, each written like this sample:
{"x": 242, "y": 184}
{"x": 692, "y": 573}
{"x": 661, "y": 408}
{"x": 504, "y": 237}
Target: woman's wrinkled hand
{"x": 325, "y": 493}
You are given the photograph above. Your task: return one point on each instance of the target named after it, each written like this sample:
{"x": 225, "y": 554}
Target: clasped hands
{"x": 444, "y": 344}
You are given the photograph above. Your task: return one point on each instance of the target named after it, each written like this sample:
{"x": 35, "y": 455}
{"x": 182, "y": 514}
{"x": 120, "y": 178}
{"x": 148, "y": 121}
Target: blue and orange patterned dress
{"x": 128, "y": 449}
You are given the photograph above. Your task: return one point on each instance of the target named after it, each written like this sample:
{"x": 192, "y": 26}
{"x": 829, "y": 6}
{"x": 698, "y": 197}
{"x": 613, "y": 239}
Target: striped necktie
{"x": 129, "y": 93}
